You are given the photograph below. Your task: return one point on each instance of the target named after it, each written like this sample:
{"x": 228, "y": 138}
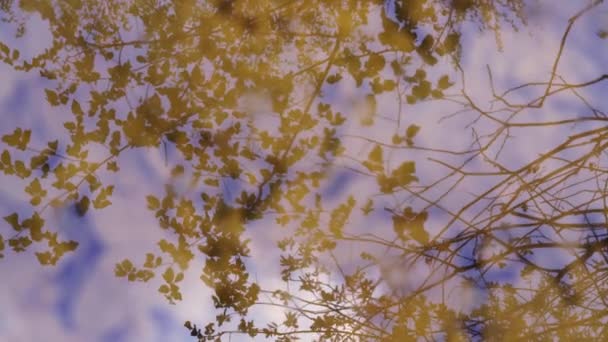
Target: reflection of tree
{"x": 184, "y": 75}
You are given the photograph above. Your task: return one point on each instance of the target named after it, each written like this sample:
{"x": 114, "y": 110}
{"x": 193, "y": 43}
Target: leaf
{"x": 19, "y": 244}
{"x": 389, "y": 85}
{"x": 375, "y": 63}
{"x": 368, "y": 208}
{"x": 444, "y": 82}
{"x": 13, "y": 220}
{"x": 38, "y": 161}
{"x": 177, "y": 171}
{"x": 422, "y": 90}
{"x": 48, "y": 74}
{"x": 19, "y": 138}
{"x": 374, "y": 160}
{"x": 412, "y": 224}
{"x": 76, "y": 109}
{"x": 83, "y": 206}
{"x": 35, "y": 190}
{"x": 196, "y": 75}
{"x": 45, "y": 258}
{"x": 34, "y": 224}
{"x": 436, "y": 94}
{"x": 120, "y": 271}
{"x": 112, "y": 166}
{"x": 70, "y": 126}
{"x": 411, "y": 131}
{"x": 64, "y": 247}
{"x": 53, "y": 145}
{"x": 102, "y": 199}
{"x": 452, "y": 42}
{"x": 153, "y": 202}
{"x": 168, "y": 275}
{"x": 5, "y": 158}
{"x": 21, "y": 170}
{"x": 404, "y": 174}
{"x": 149, "y": 263}
{"x": 52, "y": 97}
{"x": 335, "y": 78}
{"x": 212, "y": 182}
{"x": 427, "y": 43}
{"x": 4, "y": 48}
{"x": 124, "y": 268}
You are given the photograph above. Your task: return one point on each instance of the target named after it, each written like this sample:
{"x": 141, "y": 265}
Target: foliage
{"x": 151, "y": 73}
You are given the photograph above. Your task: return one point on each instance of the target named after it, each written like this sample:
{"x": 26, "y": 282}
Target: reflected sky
{"x": 81, "y": 299}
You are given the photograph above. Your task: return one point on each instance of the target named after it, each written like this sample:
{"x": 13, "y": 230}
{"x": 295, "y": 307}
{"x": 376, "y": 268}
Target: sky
{"x": 81, "y": 300}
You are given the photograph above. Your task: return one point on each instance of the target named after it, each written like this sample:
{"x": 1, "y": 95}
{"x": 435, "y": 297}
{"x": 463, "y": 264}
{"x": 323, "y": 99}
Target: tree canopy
{"x": 264, "y": 110}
